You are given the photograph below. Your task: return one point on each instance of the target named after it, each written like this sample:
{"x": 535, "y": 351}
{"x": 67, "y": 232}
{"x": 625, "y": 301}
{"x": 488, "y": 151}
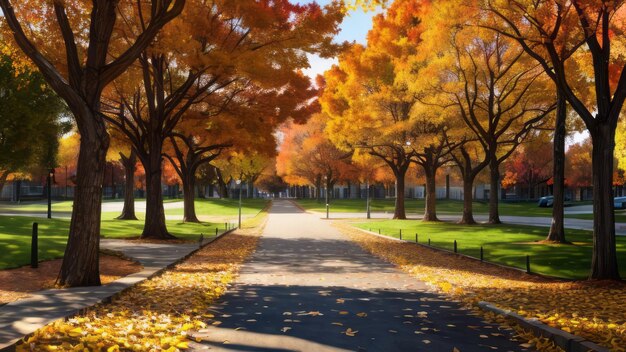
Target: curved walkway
{"x": 308, "y": 288}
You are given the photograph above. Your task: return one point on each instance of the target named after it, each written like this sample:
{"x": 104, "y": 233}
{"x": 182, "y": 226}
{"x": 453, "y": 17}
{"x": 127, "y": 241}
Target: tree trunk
{"x": 189, "y": 205}
{"x": 250, "y": 189}
{"x": 128, "y": 212}
{"x": 81, "y": 260}
{"x": 430, "y": 209}
{"x": 3, "y": 180}
{"x": 154, "y": 226}
{"x": 399, "y": 211}
{"x": 557, "y": 227}
{"x": 494, "y": 181}
{"x": 468, "y": 212}
{"x": 604, "y": 259}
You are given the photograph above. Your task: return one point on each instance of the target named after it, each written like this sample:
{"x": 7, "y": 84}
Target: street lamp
{"x": 238, "y": 182}
{"x": 327, "y": 205}
{"x": 49, "y": 182}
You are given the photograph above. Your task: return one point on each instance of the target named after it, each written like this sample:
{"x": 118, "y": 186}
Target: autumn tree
{"x": 576, "y": 44}
{"x": 121, "y": 151}
{"x": 498, "y": 93}
{"x": 530, "y": 165}
{"x": 308, "y": 153}
{"x": 370, "y": 107}
{"x": 71, "y": 47}
{"x": 252, "y": 41}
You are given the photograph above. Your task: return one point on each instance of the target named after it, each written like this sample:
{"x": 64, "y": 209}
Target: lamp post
{"x": 239, "y": 184}
{"x": 49, "y": 182}
{"x": 326, "y": 188}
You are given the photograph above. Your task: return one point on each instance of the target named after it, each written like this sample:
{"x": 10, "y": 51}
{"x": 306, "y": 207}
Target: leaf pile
{"x": 594, "y": 310}
{"x": 156, "y": 314}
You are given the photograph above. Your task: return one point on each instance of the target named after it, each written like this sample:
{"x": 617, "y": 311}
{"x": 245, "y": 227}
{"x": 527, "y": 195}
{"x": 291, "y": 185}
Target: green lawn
{"x": 524, "y": 208}
{"x": 224, "y": 207}
{"x": 15, "y": 234}
{"x": 505, "y": 244}
{"x": 63, "y": 206}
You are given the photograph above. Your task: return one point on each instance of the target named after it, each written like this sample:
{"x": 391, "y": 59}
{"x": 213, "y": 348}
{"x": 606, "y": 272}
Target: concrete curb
{"x": 9, "y": 346}
{"x": 563, "y": 339}
{"x": 465, "y": 256}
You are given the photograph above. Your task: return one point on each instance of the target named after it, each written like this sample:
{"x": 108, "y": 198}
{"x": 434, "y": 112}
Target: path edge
{"x": 563, "y": 339}
{"x": 10, "y": 345}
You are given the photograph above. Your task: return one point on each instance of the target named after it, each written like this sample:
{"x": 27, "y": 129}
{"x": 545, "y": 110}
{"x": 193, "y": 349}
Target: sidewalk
{"x": 309, "y": 288}
{"x": 24, "y": 316}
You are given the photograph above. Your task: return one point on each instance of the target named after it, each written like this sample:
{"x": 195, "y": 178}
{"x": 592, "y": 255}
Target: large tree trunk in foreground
{"x": 557, "y": 227}
{"x": 430, "y": 208}
{"x": 604, "y": 259}
{"x": 189, "y": 205}
{"x": 468, "y": 199}
{"x": 81, "y": 259}
{"x": 399, "y": 211}
{"x": 128, "y": 212}
{"x": 154, "y": 225}
{"x": 494, "y": 181}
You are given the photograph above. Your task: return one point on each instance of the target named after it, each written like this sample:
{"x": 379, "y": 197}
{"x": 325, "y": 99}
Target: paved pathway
{"x": 24, "y": 316}
{"x": 307, "y": 284}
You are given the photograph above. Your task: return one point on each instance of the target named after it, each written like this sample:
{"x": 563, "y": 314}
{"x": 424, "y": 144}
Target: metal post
{"x": 528, "y": 264}
{"x": 49, "y": 182}
{"x": 429, "y": 241}
{"x": 226, "y": 226}
{"x": 200, "y": 240}
{"x": 481, "y": 253}
{"x": 416, "y": 237}
{"x": 34, "y": 247}
{"x": 400, "y": 234}
{"x": 455, "y": 249}
{"x": 216, "y": 232}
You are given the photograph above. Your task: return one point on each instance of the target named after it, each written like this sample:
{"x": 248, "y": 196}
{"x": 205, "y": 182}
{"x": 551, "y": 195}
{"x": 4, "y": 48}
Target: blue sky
{"x": 354, "y": 28}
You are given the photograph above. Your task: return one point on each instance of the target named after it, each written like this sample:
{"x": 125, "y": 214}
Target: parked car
{"x": 546, "y": 202}
{"x": 619, "y": 202}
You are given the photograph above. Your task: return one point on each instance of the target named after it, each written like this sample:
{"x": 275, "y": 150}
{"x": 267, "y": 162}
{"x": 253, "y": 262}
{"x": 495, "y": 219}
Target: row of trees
{"x": 176, "y": 79}
{"x": 444, "y": 83}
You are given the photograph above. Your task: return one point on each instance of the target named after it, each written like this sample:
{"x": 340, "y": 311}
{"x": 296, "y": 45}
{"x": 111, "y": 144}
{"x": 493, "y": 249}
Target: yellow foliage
{"x": 156, "y": 314}
{"x": 592, "y": 310}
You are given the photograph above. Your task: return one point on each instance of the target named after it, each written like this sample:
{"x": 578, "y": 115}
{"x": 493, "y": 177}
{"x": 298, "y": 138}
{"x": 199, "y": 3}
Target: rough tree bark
{"x": 82, "y": 89}
{"x": 400, "y": 211}
{"x": 557, "y": 227}
{"x": 604, "y": 258}
{"x": 430, "y": 209}
{"x": 494, "y": 182}
{"x": 129, "y": 163}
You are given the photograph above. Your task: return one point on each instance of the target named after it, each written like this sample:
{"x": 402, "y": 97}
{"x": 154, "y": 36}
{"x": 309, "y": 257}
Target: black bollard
{"x": 455, "y": 249}
{"x": 528, "y": 264}
{"x": 400, "y": 234}
{"x": 481, "y": 253}
{"x": 34, "y": 247}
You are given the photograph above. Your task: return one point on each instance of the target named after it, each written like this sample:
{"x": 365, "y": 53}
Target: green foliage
{"x": 30, "y": 123}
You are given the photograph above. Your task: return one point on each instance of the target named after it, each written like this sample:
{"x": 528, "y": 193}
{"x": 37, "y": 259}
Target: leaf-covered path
{"x": 309, "y": 288}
